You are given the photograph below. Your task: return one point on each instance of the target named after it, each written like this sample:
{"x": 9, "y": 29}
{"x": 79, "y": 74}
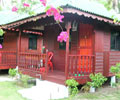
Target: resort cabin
{"x": 30, "y": 42}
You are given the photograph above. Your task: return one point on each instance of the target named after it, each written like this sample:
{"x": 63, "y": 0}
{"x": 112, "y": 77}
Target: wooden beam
{"x": 18, "y": 47}
{"x": 68, "y": 27}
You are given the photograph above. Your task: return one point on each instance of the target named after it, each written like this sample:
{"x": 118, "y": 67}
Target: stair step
{"x": 45, "y": 90}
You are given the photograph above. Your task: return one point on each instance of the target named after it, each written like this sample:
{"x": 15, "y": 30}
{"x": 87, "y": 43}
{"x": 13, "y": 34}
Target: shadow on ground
{"x": 3, "y": 72}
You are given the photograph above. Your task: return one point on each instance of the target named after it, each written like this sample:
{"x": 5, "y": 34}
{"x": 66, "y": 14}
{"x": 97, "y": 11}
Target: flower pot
{"x": 92, "y": 89}
{"x": 113, "y": 81}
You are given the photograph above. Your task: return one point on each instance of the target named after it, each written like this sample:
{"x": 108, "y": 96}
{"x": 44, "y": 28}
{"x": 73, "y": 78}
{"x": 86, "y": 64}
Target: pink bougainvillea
{"x": 26, "y": 5}
{"x": 62, "y": 37}
{"x": 51, "y": 11}
{"x": 43, "y": 2}
{"x": 56, "y": 13}
{"x": 58, "y": 17}
{"x": 14, "y": 9}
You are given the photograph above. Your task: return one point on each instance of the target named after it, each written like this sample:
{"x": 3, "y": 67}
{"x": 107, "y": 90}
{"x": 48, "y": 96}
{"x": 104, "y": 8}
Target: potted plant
{"x": 97, "y": 81}
{"x": 72, "y": 86}
{"x": 116, "y": 71}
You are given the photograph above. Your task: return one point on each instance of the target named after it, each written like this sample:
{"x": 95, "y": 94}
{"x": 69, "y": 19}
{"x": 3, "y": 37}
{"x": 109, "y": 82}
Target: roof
{"x": 91, "y": 7}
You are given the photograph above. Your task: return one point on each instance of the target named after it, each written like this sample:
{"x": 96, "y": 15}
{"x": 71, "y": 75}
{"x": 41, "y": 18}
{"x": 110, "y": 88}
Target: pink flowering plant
{"x": 62, "y": 37}
{"x": 26, "y": 6}
{"x": 14, "y": 9}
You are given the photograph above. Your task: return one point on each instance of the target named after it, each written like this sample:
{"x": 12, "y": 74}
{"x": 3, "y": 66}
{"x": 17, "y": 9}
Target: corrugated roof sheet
{"x": 84, "y": 5}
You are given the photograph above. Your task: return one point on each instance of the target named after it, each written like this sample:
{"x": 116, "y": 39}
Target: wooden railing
{"x": 33, "y": 63}
{"x": 8, "y": 59}
{"x": 80, "y": 65}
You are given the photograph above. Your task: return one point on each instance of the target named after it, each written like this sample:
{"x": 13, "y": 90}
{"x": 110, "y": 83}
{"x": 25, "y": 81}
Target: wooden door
{"x": 85, "y": 47}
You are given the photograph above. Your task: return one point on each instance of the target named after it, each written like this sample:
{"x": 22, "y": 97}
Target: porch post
{"x": 18, "y": 46}
{"x": 68, "y": 27}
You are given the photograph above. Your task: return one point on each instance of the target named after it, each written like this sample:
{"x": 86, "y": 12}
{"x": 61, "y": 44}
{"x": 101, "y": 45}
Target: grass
{"x": 106, "y": 93}
{"x": 8, "y": 91}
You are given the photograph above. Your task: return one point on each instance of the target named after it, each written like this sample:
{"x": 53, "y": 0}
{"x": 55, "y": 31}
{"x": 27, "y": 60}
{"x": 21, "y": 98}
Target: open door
{"x": 85, "y": 47}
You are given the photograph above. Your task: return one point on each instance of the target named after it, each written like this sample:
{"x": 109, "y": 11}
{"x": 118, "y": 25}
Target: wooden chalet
{"x": 93, "y": 45}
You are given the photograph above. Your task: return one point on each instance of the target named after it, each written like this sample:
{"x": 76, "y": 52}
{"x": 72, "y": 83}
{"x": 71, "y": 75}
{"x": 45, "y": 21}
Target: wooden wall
{"x": 25, "y": 42}
{"x": 104, "y": 56}
{"x": 10, "y": 41}
{"x": 102, "y": 44}
{"x": 74, "y": 42}
{"x": 51, "y": 43}
{"x": 99, "y": 44}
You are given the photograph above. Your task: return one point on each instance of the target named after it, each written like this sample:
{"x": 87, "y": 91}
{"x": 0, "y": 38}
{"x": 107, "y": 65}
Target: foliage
{"x": 116, "y": 70}
{"x": 12, "y": 72}
{"x": 96, "y": 80}
{"x": 25, "y": 6}
{"x": 1, "y": 32}
{"x": 107, "y": 3}
{"x": 72, "y": 84}
{"x": 24, "y": 80}
{"x": 85, "y": 88}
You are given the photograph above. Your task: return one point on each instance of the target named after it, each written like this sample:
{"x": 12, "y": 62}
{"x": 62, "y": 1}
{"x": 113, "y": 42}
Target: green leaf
{"x": 48, "y": 7}
{"x": 60, "y": 8}
{"x": 0, "y": 8}
{"x": 32, "y": 13}
{"x": 1, "y": 32}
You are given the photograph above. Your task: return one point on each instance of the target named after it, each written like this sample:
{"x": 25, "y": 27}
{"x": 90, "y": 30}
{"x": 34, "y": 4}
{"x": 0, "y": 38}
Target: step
{"x": 45, "y": 90}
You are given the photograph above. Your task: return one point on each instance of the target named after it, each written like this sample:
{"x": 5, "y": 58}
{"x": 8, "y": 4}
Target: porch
{"x": 75, "y": 62}
{"x": 79, "y": 67}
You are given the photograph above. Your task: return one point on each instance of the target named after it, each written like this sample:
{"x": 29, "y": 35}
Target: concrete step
{"x": 45, "y": 90}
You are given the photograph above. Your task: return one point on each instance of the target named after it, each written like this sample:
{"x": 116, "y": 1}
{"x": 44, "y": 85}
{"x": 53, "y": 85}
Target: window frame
{"x": 32, "y": 37}
{"x": 114, "y": 41}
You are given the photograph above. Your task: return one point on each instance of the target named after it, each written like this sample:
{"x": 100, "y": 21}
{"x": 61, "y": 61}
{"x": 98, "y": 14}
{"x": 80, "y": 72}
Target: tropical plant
{"x": 116, "y": 70}
{"x": 12, "y": 72}
{"x": 85, "y": 88}
{"x": 97, "y": 80}
{"x": 1, "y": 32}
{"x": 72, "y": 84}
{"x": 24, "y": 80}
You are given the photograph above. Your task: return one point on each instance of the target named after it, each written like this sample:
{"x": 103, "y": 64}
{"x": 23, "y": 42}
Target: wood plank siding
{"x": 99, "y": 62}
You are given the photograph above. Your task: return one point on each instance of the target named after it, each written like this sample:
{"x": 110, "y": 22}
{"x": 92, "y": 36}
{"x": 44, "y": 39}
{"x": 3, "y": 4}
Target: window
{"x": 33, "y": 42}
{"x": 1, "y": 39}
{"x": 115, "y": 41}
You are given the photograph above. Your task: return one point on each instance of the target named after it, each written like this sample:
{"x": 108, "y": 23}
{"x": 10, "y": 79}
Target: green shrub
{"x": 116, "y": 70}
{"x": 12, "y": 72}
{"x": 85, "y": 88}
{"x": 23, "y": 81}
{"x": 1, "y": 32}
{"x": 97, "y": 80}
{"x": 72, "y": 84}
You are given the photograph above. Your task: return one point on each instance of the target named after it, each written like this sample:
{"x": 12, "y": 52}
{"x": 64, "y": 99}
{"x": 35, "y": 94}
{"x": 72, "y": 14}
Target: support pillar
{"x": 18, "y": 46}
{"x": 68, "y": 27}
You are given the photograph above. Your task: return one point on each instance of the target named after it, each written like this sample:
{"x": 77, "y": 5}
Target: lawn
{"x": 8, "y": 91}
{"x": 106, "y": 93}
